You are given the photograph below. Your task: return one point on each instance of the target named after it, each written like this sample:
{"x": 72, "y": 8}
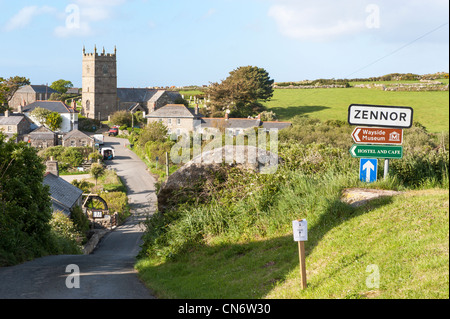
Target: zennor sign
{"x": 380, "y": 115}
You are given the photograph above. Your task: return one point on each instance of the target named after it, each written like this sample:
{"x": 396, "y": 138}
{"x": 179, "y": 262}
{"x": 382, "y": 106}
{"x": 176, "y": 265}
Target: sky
{"x": 196, "y": 42}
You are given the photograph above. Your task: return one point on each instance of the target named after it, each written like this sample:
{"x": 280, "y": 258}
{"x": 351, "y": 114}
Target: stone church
{"x": 101, "y": 97}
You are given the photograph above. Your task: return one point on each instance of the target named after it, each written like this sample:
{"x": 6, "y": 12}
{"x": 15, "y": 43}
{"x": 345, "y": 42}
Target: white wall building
{"x": 68, "y": 114}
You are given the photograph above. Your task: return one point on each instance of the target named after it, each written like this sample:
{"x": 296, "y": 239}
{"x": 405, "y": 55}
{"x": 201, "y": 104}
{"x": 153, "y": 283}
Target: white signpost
{"x": 380, "y": 115}
{"x": 300, "y": 229}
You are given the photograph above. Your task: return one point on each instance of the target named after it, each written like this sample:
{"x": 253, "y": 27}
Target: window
{"x": 73, "y": 143}
{"x": 9, "y": 128}
{"x": 178, "y": 121}
{"x": 169, "y": 121}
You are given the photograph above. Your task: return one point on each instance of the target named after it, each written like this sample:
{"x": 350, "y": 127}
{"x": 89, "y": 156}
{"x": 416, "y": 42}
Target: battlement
{"x": 103, "y": 54}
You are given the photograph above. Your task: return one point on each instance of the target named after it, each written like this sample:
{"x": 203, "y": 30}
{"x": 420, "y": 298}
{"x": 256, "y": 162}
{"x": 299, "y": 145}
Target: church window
{"x": 88, "y": 105}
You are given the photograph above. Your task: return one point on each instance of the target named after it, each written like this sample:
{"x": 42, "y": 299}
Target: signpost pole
{"x": 386, "y": 167}
{"x": 301, "y": 254}
{"x": 167, "y": 164}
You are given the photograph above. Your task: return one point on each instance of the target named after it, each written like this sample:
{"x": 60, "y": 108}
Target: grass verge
{"x": 405, "y": 236}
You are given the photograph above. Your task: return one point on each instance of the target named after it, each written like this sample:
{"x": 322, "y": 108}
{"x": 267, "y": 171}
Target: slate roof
{"x": 12, "y": 119}
{"x": 42, "y": 133}
{"x": 64, "y": 195}
{"x": 240, "y": 123}
{"x": 54, "y": 106}
{"x": 276, "y": 125}
{"x": 135, "y": 95}
{"x": 36, "y": 89}
{"x": 143, "y": 94}
{"x": 173, "y": 111}
{"x": 76, "y": 133}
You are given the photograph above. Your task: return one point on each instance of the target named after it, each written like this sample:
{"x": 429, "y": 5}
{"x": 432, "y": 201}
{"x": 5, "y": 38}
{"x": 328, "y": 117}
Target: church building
{"x": 101, "y": 97}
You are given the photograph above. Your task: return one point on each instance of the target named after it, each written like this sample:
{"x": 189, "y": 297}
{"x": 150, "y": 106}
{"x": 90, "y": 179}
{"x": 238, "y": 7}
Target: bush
{"x": 67, "y": 157}
{"x": 66, "y": 234}
{"x": 417, "y": 169}
{"x": 121, "y": 118}
{"x": 153, "y": 132}
{"x": 117, "y": 202}
{"x": 80, "y": 220}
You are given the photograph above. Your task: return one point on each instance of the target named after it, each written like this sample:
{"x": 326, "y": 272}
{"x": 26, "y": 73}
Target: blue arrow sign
{"x": 368, "y": 168}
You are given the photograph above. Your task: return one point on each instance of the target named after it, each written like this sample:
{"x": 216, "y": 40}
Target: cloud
{"x": 322, "y": 20}
{"x": 81, "y": 14}
{"x": 24, "y": 17}
{"x": 317, "y": 20}
{"x": 210, "y": 12}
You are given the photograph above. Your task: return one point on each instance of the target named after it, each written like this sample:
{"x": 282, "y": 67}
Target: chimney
{"x": 20, "y": 108}
{"x": 6, "y": 113}
{"x": 196, "y": 109}
{"x": 226, "y": 116}
{"x": 74, "y": 105}
{"x": 52, "y": 166}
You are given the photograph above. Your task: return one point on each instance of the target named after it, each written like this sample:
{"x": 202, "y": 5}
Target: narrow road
{"x": 107, "y": 273}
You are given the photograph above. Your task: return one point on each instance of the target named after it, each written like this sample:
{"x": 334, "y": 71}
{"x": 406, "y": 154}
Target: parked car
{"x": 107, "y": 153}
{"x": 113, "y": 131}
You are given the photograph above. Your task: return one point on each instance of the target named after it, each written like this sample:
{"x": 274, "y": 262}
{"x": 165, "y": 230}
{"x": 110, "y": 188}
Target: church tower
{"x": 99, "y": 82}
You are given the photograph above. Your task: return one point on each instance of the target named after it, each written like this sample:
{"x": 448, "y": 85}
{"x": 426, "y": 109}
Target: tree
{"x": 25, "y": 204}
{"x": 54, "y": 121}
{"x": 154, "y": 131}
{"x": 241, "y": 91}
{"x": 40, "y": 114}
{"x": 9, "y": 86}
{"x": 44, "y": 116}
{"x": 121, "y": 118}
{"x": 61, "y": 86}
{"x": 97, "y": 170}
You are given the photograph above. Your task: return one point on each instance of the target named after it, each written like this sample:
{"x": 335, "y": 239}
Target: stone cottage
{"x": 42, "y": 137}
{"x": 176, "y": 117}
{"x": 179, "y": 119}
{"x": 76, "y": 138}
{"x": 14, "y": 123}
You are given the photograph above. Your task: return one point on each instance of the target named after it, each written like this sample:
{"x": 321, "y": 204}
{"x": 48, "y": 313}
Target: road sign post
{"x": 300, "y": 229}
{"x": 391, "y": 121}
{"x": 376, "y": 135}
{"x": 380, "y": 115}
{"x": 376, "y": 151}
{"x": 368, "y": 169}
{"x": 386, "y": 168}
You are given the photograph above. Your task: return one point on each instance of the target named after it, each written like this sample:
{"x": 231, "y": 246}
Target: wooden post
{"x": 167, "y": 164}
{"x": 301, "y": 255}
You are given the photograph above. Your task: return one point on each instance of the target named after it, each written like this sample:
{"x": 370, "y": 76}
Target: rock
{"x": 209, "y": 164}
{"x": 359, "y": 196}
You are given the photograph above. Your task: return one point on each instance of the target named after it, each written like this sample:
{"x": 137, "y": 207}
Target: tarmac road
{"x": 108, "y": 272}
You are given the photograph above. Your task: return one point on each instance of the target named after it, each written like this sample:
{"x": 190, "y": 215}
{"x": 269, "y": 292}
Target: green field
{"x": 431, "y": 109}
{"x": 404, "y": 237}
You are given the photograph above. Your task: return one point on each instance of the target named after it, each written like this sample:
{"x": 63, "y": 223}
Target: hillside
{"x": 229, "y": 233}
{"x": 406, "y": 236}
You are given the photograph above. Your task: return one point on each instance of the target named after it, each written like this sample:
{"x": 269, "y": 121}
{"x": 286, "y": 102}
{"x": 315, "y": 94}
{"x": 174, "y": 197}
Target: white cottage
{"x": 69, "y": 115}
